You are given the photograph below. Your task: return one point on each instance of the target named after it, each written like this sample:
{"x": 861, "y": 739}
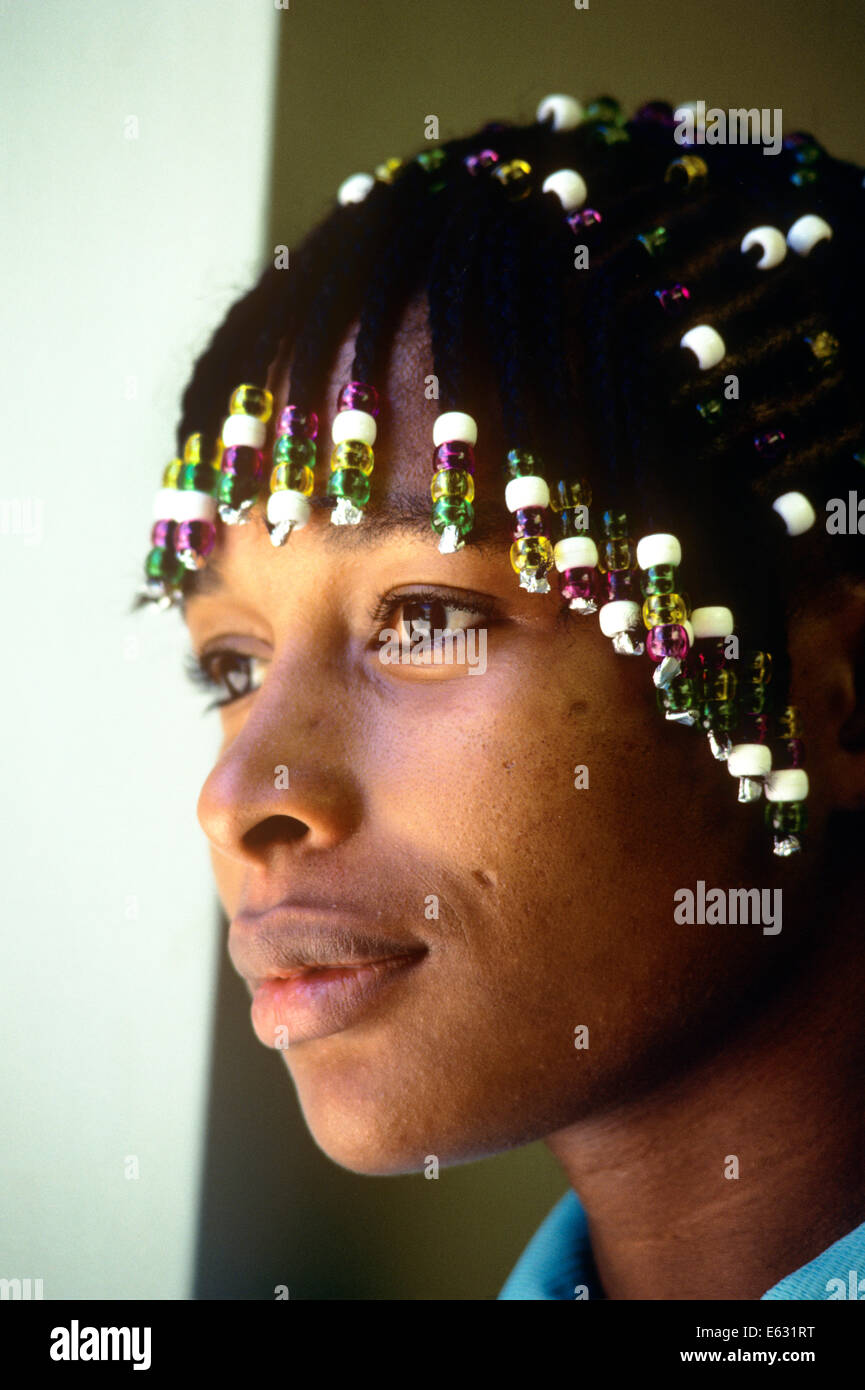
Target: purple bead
{"x": 358, "y": 395}
{"x": 579, "y": 221}
{"x": 162, "y": 533}
{"x": 619, "y": 584}
{"x": 199, "y": 536}
{"x": 770, "y": 445}
{"x": 295, "y": 421}
{"x": 485, "y": 160}
{"x": 755, "y": 728}
{"x": 673, "y": 299}
{"x": 667, "y": 639}
{"x": 454, "y": 454}
{"x": 530, "y": 521}
{"x": 242, "y": 461}
{"x": 657, "y": 113}
{"x": 794, "y": 752}
{"x": 579, "y": 583}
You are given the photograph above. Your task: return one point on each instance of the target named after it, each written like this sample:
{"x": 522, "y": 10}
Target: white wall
{"x": 119, "y": 256}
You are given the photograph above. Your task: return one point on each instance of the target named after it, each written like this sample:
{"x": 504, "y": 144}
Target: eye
{"x": 431, "y": 627}
{"x": 234, "y": 673}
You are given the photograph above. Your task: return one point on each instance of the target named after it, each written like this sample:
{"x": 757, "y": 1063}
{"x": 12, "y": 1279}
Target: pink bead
{"x": 795, "y": 751}
{"x": 199, "y": 536}
{"x": 579, "y": 583}
{"x": 619, "y": 584}
{"x": 358, "y": 395}
{"x": 295, "y": 421}
{"x": 454, "y": 454}
{"x": 579, "y": 221}
{"x": 485, "y": 160}
{"x": 755, "y": 728}
{"x": 242, "y": 460}
{"x": 162, "y": 533}
{"x": 667, "y": 639}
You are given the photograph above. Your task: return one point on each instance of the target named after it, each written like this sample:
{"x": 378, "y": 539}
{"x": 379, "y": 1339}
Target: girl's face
{"x": 362, "y": 809}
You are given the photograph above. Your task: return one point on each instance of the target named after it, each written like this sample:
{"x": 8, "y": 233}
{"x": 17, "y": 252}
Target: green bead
{"x": 655, "y": 241}
{"x": 804, "y": 178}
{"x": 452, "y": 511}
{"x": 610, "y": 135}
{"x": 163, "y": 564}
{"x": 721, "y": 716}
{"x": 293, "y": 448}
{"x": 754, "y": 699}
{"x": 197, "y": 477}
{"x": 615, "y": 524}
{"x": 234, "y": 490}
{"x": 523, "y": 464}
{"x": 570, "y": 492}
{"x": 786, "y": 817}
{"x": 711, "y": 412}
{"x": 660, "y": 579}
{"x": 430, "y": 160}
{"x": 678, "y": 696}
{"x": 351, "y": 483}
{"x": 605, "y": 109}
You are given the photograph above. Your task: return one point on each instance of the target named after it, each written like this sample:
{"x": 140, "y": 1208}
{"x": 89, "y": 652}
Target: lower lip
{"x": 321, "y": 1002}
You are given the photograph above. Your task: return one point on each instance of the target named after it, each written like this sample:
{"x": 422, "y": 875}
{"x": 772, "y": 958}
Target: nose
{"x": 286, "y": 779}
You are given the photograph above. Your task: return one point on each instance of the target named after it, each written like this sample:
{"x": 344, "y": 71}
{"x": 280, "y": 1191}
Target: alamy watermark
{"x": 720, "y": 906}
{"x": 697, "y": 125}
{"x": 426, "y": 646}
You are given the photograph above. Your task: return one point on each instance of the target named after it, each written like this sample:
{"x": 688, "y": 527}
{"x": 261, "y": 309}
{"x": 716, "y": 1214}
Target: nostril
{"x": 275, "y": 830}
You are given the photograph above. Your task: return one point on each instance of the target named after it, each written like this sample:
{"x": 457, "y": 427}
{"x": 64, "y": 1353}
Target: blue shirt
{"x": 558, "y": 1259}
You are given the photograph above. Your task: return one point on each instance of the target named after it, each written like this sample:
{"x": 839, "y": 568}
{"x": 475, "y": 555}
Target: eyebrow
{"x": 405, "y": 515}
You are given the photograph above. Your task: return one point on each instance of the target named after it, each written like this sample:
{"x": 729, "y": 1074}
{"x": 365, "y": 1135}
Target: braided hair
{"x": 587, "y": 361}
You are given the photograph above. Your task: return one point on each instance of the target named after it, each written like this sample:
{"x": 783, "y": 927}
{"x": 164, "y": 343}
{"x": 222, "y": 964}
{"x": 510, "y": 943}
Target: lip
{"x": 315, "y": 969}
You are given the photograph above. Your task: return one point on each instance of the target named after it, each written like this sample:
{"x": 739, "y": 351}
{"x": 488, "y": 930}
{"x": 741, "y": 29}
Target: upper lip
{"x": 296, "y": 936}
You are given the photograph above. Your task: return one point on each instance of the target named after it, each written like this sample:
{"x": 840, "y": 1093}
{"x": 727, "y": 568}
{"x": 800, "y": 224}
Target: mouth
{"x": 314, "y": 971}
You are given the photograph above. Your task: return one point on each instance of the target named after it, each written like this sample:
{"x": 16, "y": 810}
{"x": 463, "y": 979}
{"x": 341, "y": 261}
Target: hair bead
{"x": 568, "y": 186}
{"x": 354, "y": 189}
{"x": 706, "y": 344}
{"x": 563, "y": 112}
{"x": 772, "y": 244}
{"x": 805, "y": 233}
{"x": 455, "y": 434}
{"x": 795, "y": 511}
{"x": 292, "y": 476}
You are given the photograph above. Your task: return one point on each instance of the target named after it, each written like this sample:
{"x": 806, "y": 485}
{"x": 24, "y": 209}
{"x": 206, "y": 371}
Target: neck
{"x": 732, "y": 1175}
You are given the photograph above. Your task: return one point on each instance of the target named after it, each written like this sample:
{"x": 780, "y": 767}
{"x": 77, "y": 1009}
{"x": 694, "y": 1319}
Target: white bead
{"x": 194, "y": 506}
{"x": 749, "y": 760}
{"x": 455, "y": 425}
{"x": 796, "y": 512}
{"x": 530, "y": 491}
{"x": 658, "y": 549}
{"x": 568, "y": 186}
{"x": 706, "y": 343}
{"x": 619, "y": 616}
{"x": 355, "y": 188}
{"x": 244, "y": 430}
{"x": 287, "y": 505}
{"x": 567, "y": 113}
{"x": 575, "y": 552}
{"x": 353, "y": 424}
{"x": 688, "y": 626}
{"x": 712, "y": 621}
{"x": 163, "y": 504}
{"x": 786, "y": 784}
{"x": 806, "y": 232}
{"x": 770, "y": 241}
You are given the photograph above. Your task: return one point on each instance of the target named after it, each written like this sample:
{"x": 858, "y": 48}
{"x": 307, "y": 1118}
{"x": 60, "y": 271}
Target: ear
{"x": 827, "y": 652}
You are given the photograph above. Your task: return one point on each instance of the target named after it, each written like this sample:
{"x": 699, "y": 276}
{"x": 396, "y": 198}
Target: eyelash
{"x": 200, "y": 670}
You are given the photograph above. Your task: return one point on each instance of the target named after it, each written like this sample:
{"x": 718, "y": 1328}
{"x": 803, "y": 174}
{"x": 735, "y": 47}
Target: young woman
{"x": 518, "y": 648}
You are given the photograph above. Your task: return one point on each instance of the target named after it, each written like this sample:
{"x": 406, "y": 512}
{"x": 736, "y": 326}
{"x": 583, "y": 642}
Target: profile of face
{"x": 499, "y": 841}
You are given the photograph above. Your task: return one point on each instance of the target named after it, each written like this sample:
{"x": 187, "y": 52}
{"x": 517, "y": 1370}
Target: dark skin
{"x": 556, "y": 903}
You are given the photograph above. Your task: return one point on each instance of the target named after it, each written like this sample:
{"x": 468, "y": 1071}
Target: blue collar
{"x": 557, "y": 1263}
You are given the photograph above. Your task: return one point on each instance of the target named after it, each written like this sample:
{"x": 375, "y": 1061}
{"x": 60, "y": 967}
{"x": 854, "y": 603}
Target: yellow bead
{"x": 664, "y": 608}
{"x": 352, "y": 453}
{"x": 203, "y": 448}
{"x": 251, "y": 400}
{"x": 388, "y": 171}
{"x": 171, "y": 473}
{"x": 531, "y": 552}
{"x": 690, "y": 169}
{"x": 570, "y": 493}
{"x": 721, "y": 685}
{"x": 514, "y": 176}
{"x": 790, "y": 723}
{"x": 452, "y": 482}
{"x": 298, "y": 477}
{"x": 758, "y": 668}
